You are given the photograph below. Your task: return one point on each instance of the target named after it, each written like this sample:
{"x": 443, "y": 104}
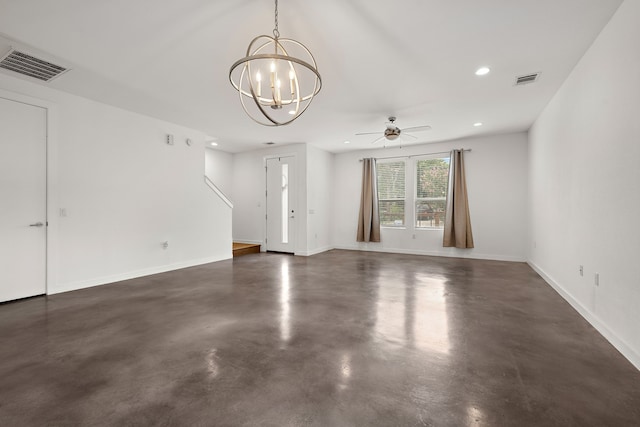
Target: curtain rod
{"x": 417, "y": 155}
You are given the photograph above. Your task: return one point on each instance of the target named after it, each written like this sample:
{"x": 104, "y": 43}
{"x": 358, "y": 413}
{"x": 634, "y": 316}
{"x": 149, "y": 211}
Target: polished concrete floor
{"x": 338, "y": 339}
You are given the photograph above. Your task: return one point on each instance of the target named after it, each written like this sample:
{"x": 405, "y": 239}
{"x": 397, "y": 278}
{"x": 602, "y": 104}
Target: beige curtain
{"x": 457, "y": 224}
{"x": 369, "y": 217}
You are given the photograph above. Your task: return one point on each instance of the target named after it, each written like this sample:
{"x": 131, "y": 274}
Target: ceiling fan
{"x": 392, "y": 132}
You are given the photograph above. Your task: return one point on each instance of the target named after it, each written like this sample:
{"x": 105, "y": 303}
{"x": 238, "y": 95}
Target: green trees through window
{"x": 432, "y": 178}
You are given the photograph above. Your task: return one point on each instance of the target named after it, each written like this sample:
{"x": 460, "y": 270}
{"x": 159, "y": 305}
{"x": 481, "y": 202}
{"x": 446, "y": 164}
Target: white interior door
{"x": 23, "y": 219}
{"x": 281, "y": 202}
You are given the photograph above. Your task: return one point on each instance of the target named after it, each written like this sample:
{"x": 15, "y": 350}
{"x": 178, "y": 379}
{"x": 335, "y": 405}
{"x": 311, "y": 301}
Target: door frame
{"x": 51, "y": 173}
{"x": 297, "y": 193}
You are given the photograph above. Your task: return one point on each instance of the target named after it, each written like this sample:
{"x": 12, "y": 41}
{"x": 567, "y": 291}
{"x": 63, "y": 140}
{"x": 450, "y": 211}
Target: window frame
{"x": 416, "y": 199}
{"x": 404, "y": 161}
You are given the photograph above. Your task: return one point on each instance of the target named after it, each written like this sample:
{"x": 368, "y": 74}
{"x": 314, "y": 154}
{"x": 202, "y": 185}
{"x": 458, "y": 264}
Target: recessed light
{"x": 214, "y": 144}
{"x": 347, "y": 142}
{"x": 482, "y": 71}
{"x": 477, "y": 124}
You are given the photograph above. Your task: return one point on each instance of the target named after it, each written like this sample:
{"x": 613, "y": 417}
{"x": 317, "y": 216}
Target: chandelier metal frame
{"x": 249, "y": 84}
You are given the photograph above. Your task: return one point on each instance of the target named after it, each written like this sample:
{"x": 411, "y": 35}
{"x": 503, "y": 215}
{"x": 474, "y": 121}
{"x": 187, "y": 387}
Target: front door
{"x": 281, "y": 202}
{"x": 23, "y": 219}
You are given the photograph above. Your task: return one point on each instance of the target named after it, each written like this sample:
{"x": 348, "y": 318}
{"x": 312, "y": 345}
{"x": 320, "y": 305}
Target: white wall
{"x": 319, "y": 200}
{"x": 218, "y": 166}
{"x": 585, "y": 184}
{"x": 249, "y": 185}
{"x": 125, "y": 191}
{"x": 496, "y": 171}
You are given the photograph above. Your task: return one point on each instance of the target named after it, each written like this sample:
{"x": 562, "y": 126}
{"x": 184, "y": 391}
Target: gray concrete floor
{"x": 338, "y": 339}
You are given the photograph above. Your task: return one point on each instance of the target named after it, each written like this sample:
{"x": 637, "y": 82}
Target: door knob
{"x": 37, "y": 224}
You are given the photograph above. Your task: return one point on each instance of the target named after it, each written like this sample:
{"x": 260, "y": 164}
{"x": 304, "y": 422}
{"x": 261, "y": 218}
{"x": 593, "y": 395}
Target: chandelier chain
{"x": 276, "y": 33}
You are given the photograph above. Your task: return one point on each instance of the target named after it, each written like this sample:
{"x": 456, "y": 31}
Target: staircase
{"x": 240, "y": 249}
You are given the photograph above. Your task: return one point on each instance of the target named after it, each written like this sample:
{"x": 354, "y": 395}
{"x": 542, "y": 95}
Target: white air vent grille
{"x": 527, "y": 78}
{"x": 31, "y": 66}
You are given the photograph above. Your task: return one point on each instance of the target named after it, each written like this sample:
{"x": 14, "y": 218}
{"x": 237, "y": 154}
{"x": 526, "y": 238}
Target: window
{"x": 391, "y": 192}
{"x": 427, "y": 178}
{"x": 432, "y": 178}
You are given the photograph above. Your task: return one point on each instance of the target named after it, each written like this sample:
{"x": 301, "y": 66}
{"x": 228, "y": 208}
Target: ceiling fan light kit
{"x": 276, "y": 80}
{"x": 392, "y": 132}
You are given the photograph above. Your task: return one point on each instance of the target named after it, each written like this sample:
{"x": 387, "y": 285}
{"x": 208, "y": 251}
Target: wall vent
{"x": 527, "y": 78}
{"x": 28, "y": 65}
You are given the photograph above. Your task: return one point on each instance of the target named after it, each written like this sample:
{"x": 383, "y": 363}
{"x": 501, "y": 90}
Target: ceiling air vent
{"x": 28, "y": 65}
{"x": 527, "y": 78}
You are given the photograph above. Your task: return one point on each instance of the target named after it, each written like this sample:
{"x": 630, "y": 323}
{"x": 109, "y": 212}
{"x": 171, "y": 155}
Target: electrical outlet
{"x": 169, "y": 139}
{"x": 597, "y": 279}
{"x": 581, "y": 271}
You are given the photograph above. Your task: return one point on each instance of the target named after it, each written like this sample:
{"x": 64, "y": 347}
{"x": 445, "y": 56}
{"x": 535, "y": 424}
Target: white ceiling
{"x": 414, "y": 59}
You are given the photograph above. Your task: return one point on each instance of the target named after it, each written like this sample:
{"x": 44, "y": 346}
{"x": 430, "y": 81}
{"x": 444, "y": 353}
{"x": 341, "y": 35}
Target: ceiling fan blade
{"x": 368, "y": 133}
{"x": 410, "y": 136}
{"x": 417, "y": 128}
{"x": 379, "y": 139}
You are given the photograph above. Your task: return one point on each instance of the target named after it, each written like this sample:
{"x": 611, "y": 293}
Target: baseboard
{"x": 590, "y": 317}
{"x": 314, "y": 251}
{"x": 435, "y": 253}
{"x": 99, "y": 281}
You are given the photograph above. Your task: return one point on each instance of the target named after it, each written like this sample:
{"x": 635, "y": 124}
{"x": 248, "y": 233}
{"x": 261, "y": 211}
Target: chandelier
{"x": 277, "y": 80}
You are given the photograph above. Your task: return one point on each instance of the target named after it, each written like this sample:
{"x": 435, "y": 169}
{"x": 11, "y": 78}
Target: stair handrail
{"x": 219, "y": 192}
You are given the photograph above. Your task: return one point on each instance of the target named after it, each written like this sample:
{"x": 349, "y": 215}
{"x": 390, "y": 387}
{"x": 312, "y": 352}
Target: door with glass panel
{"x": 281, "y": 204}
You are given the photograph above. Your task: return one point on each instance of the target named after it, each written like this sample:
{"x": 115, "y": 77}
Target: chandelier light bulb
{"x": 259, "y": 84}
{"x": 292, "y": 77}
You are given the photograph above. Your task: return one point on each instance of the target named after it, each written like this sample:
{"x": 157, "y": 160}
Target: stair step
{"x": 240, "y": 249}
